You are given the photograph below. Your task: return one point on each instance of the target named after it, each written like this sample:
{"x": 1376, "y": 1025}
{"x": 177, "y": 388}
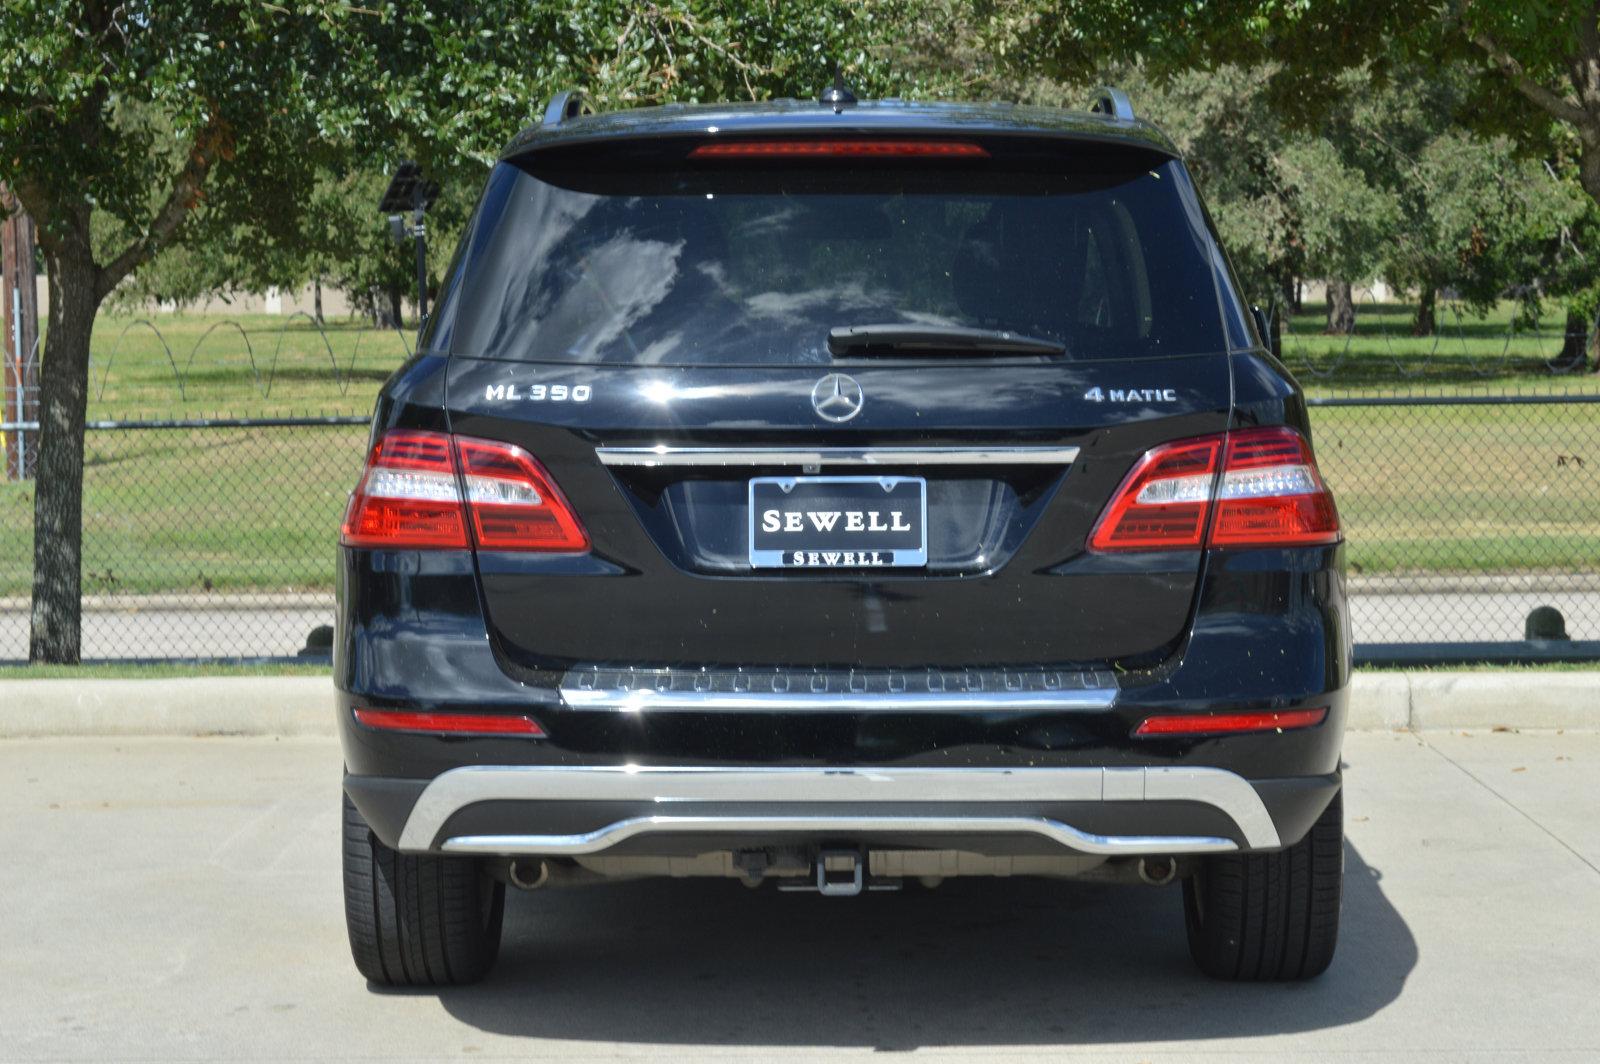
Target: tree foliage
{"x": 1535, "y": 66}
{"x": 129, "y": 128}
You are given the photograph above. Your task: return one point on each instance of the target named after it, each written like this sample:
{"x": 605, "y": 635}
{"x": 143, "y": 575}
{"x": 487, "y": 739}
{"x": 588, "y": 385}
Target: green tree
{"x": 119, "y": 120}
{"x": 1533, "y": 68}
{"x": 121, "y": 123}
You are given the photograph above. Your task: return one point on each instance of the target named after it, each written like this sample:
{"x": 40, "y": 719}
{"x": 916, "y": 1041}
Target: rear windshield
{"x": 729, "y": 263}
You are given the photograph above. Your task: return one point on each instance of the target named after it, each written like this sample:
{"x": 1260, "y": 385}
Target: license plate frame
{"x": 892, "y": 549}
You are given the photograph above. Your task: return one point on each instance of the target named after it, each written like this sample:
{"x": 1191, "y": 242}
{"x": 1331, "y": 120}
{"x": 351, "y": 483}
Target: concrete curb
{"x": 202, "y": 705}
{"x": 303, "y": 705}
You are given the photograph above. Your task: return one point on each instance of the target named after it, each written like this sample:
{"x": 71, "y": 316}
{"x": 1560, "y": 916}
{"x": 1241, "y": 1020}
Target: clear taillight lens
{"x": 1268, "y": 494}
{"x": 410, "y": 498}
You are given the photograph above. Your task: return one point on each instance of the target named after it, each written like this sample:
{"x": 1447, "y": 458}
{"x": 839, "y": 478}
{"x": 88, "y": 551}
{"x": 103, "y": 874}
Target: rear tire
{"x": 417, "y": 920}
{"x": 1269, "y": 916}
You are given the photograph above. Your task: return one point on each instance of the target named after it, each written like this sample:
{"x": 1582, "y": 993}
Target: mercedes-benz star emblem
{"x": 837, "y": 397}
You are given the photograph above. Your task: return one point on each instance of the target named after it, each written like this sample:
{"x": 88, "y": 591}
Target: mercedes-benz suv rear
{"x": 840, "y": 497}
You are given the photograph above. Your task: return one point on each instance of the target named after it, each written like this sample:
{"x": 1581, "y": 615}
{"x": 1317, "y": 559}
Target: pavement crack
{"x": 1475, "y": 778}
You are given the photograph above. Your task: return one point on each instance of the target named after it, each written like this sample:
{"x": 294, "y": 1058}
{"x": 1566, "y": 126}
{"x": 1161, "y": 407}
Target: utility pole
{"x": 19, "y": 331}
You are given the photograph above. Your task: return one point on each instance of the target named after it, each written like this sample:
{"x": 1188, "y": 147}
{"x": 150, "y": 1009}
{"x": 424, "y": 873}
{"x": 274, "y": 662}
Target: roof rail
{"x": 1111, "y": 102}
{"x": 569, "y": 103}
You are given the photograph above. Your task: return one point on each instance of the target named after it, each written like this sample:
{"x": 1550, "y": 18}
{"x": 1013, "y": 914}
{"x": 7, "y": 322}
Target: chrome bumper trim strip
{"x": 612, "y": 834}
{"x": 630, "y": 689}
{"x": 626, "y": 701}
{"x": 662, "y": 456}
{"x": 869, "y": 788}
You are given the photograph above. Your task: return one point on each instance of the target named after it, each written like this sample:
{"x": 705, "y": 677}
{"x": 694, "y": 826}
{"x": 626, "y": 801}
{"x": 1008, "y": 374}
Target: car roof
{"x": 868, "y": 117}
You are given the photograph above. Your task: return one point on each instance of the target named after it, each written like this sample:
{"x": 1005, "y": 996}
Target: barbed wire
{"x": 262, "y": 383}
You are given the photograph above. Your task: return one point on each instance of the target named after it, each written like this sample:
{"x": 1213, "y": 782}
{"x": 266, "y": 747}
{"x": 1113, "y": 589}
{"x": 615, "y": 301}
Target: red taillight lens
{"x": 1226, "y": 723}
{"x": 515, "y": 505}
{"x": 1269, "y": 494}
{"x": 1162, "y": 504}
{"x": 1272, "y": 494}
{"x": 449, "y": 723}
{"x": 409, "y": 498}
{"x": 852, "y": 149}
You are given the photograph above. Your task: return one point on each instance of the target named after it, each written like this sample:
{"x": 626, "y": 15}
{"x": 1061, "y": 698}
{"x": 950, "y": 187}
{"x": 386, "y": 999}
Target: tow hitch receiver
{"x": 839, "y": 873}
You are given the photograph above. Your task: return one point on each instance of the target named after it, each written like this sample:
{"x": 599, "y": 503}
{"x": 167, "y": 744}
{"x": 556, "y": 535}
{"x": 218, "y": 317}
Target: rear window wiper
{"x": 909, "y": 338}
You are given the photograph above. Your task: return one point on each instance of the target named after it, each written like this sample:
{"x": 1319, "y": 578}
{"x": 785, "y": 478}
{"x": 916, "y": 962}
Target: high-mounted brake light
{"x": 854, "y": 149}
{"x": 407, "y": 720}
{"x": 1268, "y": 494}
{"x": 410, "y": 498}
{"x": 1229, "y": 723}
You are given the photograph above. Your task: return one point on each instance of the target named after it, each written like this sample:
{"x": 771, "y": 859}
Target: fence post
{"x": 19, "y": 312}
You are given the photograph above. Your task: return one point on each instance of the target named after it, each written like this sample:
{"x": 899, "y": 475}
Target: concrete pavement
{"x": 178, "y": 899}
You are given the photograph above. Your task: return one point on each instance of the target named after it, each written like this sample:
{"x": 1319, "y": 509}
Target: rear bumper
{"x": 576, "y": 810}
{"x": 1025, "y": 761}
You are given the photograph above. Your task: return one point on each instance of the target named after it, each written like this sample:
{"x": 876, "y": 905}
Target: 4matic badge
{"x": 1132, "y": 395}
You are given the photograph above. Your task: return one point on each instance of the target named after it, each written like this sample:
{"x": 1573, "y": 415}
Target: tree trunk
{"x": 1341, "y": 309}
{"x": 1574, "y": 355}
{"x": 396, "y": 307}
{"x": 316, "y": 300}
{"x": 1426, "y": 321}
{"x": 58, "y": 489}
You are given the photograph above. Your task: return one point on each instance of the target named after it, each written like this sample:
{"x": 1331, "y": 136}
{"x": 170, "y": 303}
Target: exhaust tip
{"x": 528, "y": 875}
{"x": 1158, "y": 871}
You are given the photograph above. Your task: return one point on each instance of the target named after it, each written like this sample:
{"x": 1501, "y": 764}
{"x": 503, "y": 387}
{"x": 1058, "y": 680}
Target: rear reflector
{"x": 449, "y": 723}
{"x": 1269, "y": 494}
{"x": 410, "y": 498}
{"x": 1226, "y": 723}
{"x": 852, "y": 149}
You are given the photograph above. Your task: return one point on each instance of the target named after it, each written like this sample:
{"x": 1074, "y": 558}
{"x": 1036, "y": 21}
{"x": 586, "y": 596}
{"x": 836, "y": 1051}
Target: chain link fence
{"x": 215, "y": 538}
{"x": 201, "y": 539}
{"x": 1463, "y": 514}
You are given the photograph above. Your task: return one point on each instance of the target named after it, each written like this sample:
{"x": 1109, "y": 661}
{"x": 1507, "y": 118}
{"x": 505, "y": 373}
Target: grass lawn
{"x": 250, "y": 365}
{"x": 200, "y": 510}
{"x": 1465, "y": 488}
{"x": 1468, "y": 353}
{"x": 1421, "y": 489}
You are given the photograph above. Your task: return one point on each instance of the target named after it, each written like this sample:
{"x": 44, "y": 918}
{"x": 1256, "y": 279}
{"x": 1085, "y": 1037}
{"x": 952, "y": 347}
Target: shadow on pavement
{"x": 974, "y": 962}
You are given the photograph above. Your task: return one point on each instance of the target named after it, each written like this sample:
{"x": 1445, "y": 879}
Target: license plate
{"x": 838, "y": 522}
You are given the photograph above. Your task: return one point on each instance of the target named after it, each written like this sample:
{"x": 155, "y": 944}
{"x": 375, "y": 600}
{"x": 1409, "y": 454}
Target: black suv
{"x": 841, "y": 495}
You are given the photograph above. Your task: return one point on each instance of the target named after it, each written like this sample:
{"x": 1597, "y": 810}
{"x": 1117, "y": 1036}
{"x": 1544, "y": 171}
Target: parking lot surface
{"x": 175, "y": 900}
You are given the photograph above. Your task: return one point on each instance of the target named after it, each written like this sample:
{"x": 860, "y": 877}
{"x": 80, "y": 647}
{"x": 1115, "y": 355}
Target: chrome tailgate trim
{"x": 663, "y": 456}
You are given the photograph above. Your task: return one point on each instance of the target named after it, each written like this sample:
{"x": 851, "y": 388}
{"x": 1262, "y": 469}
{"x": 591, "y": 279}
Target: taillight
{"x": 407, "y": 497}
{"x": 1162, "y": 503}
{"x": 1269, "y": 494}
{"x": 1272, "y": 494}
{"x": 846, "y": 149}
{"x": 410, "y": 498}
{"x": 514, "y": 503}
